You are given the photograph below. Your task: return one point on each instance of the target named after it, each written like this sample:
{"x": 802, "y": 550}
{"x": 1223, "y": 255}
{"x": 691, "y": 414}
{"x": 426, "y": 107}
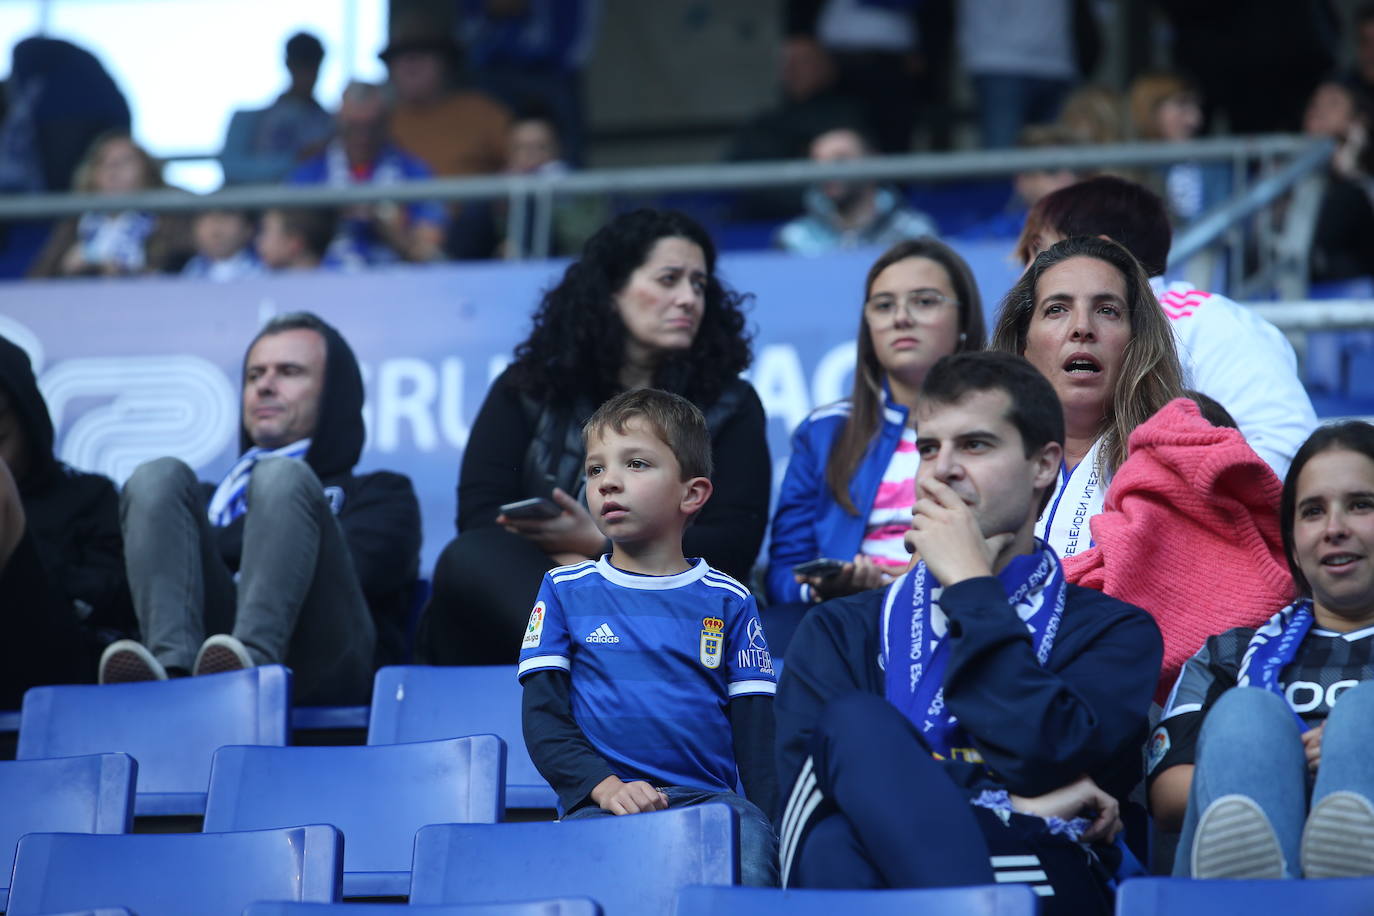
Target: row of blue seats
{"x": 172, "y": 728}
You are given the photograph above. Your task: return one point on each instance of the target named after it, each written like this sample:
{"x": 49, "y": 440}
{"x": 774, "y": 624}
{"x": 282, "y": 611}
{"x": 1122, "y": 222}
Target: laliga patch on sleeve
{"x": 536, "y": 627}
{"x": 1159, "y": 746}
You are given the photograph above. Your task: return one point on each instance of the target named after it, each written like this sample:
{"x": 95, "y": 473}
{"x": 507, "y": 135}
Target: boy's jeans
{"x": 758, "y": 843}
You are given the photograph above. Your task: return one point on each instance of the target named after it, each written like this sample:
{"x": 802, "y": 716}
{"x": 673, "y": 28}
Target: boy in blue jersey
{"x": 648, "y": 682}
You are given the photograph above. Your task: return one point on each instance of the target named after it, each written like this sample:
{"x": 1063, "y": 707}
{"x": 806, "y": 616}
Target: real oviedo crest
{"x": 712, "y": 641}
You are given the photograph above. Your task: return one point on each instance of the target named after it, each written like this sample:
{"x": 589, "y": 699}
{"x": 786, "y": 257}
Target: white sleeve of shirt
{"x": 1245, "y": 363}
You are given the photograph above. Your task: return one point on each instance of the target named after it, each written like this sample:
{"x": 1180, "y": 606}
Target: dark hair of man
{"x": 292, "y": 321}
{"x": 1129, "y": 214}
{"x": 1034, "y": 410}
{"x": 1351, "y": 435}
{"x": 577, "y": 344}
{"x": 866, "y": 395}
{"x": 675, "y": 420}
{"x": 1150, "y": 374}
{"x": 1364, "y": 13}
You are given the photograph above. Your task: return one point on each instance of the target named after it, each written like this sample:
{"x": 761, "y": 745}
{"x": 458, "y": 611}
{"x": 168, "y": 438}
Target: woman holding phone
{"x": 642, "y": 307}
{"x": 849, "y": 487}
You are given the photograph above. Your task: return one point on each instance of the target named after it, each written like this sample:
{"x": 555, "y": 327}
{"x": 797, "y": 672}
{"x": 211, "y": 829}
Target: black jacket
{"x": 379, "y": 513}
{"x": 1037, "y": 727}
{"x": 65, "y": 581}
{"x": 518, "y": 450}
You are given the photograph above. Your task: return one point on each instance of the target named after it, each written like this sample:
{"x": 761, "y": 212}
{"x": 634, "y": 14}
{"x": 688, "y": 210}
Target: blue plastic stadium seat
{"x": 377, "y": 796}
{"x": 175, "y": 874}
{"x": 631, "y": 865}
{"x": 170, "y": 727}
{"x": 563, "y": 906}
{"x": 992, "y": 900}
{"x": 91, "y": 794}
{"x": 1169, "y": 896}
{"x": 422, "y": 703}
{"x": 98, "y": 911}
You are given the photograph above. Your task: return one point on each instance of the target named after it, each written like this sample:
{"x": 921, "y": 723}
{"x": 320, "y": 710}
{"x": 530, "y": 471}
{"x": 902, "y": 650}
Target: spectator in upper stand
{"x": 642, "y": 307}
{"x": 979, "y": 720}
{"x": 374, "y": 233}
{"x": 293, "y": 559}
{"x": 1227, "y": 352}
{"x": 1029, "y": 186}
{"x": 1024, "y": 57}
{"x": 1084, "y": 315}
{"x": 1165, "y": 107}
{"x": 1343, "y": 238}
{"x": 1243, "y": 758}
{"x": 848, "y": 492}
{"x": 889, "y": 58}
{"x": 294, "y": 239}
{"x": 223, "y": 249}
{"x": 850, "y": 213}
{"x": 453, "y": 131}
{"x": 264, "y": 145}
{"x": 1094, "y": 114}
{"x": 482, "y": 228}
{"x": 114, "y": 244}
{"x": 1361, "y": 78}
{"x": 533, "y": 50}
{"x": 62, "y": 587}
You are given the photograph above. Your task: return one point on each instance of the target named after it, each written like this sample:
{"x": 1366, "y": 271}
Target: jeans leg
{"x": 871, "y": 764}
{"x": 299, "y": 599}
{"x": 1347, "y": 763}
{"x": 758, "y": 842}
{"x": 178, "y": 581}
{"x": 1250, "y": 745}
{"x": 1001, "y": 108}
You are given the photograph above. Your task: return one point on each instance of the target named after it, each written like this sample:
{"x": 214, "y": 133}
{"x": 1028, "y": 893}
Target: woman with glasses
{"x": 849, "y": 487}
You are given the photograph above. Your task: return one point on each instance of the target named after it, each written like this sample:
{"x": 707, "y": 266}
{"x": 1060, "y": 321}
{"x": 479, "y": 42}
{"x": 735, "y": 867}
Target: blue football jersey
{"x": 653, "y": 662}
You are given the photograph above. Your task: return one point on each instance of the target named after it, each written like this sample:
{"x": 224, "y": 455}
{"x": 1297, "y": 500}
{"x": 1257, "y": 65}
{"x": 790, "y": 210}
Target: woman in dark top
{"x": 642, "y": 307}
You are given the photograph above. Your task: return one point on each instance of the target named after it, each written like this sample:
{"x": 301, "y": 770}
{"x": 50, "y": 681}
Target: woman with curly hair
{"x": 642, "y": 307}
{"x": 1084, "y": 315}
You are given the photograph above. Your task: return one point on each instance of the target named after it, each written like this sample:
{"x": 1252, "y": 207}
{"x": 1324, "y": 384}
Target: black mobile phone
{"x": 823, "y": 567}
{"x": 537, "y": 507}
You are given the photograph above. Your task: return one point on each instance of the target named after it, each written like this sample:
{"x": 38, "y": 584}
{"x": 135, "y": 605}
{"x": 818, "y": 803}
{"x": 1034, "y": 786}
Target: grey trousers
{"x": 297, "y": 600}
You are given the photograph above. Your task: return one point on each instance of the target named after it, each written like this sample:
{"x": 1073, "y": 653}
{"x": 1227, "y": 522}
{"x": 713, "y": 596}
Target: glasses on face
{"x": 917, "y": 303}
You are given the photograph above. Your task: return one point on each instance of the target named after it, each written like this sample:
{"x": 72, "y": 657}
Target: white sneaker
{"x": 127, "y": 660}
{"x": 221, "y": 653}
{"x": 1338, "y": 841}
{"x": 1234, "y": 839}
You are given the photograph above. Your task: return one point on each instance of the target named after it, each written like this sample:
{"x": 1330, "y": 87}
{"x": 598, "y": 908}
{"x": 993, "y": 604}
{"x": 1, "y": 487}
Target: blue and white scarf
{"x": 1273, "y": 648}
{"x": 231, "y": 496}
{"x": 916, "y": 652}
{"x": 116, "y": 238}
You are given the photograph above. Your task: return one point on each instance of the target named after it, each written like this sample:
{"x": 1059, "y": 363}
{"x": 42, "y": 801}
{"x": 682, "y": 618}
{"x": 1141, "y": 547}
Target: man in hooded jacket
{"x": 292, "y": 559}
{"x": 62, "y": 587}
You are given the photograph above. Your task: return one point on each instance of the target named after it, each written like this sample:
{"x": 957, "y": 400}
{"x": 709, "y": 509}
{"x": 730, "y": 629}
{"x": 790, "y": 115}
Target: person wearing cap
{"x": 455, "y": 131}
{"x": 263, "y": 145}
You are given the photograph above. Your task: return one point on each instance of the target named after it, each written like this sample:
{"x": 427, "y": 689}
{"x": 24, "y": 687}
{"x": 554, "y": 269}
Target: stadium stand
{"x": 417, "y": 703}
{"x": 173, "y": 874}
{"x": 90, "y": 794}
{"x": 567, "y": 906}
{"x": 376, "y": 796}
{"x": 630, "y": 865}
{"x": 170, "y": 727}
{"x": 994, "y": 900}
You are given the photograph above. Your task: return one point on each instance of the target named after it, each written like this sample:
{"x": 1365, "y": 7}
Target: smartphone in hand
{"x": 535, "y": 508}
{"x": 824, "y": 567}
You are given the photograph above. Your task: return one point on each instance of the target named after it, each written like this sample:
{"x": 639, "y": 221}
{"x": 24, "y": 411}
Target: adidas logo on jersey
{"x": 603, "y": 634}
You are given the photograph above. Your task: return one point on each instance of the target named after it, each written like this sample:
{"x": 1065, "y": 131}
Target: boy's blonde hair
{"x": 674, "y": 420}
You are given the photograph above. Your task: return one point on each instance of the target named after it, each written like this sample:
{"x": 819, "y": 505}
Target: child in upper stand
{"x": 223, "y": 252}
{"x": 296, "y": 238}
{"x": 648, "y": 682}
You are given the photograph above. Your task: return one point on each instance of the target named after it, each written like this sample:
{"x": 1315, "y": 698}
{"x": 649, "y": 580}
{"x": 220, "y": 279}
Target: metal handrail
{"x": 713, "y": 176}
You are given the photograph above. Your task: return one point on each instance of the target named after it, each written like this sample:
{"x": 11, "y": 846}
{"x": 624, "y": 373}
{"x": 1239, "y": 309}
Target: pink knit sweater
{"x": 1190, "y": 532}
